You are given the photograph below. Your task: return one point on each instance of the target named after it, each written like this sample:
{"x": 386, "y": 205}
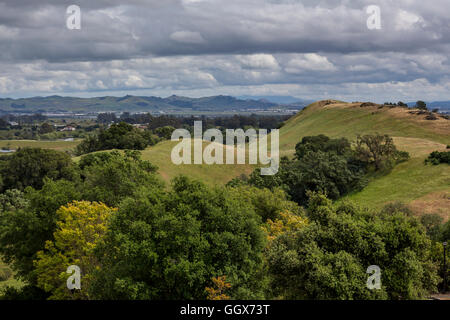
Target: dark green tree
{"x": 421, "y": 105}
{"x": 29, "y": 167}
{"x": 168, "y": 245}
{"x": 328, "y": 258}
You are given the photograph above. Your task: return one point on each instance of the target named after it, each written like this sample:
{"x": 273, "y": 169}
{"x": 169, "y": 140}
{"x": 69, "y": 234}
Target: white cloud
{"x": 309, "y": 61}
{"x": 259, "y": 61}
{"x": 407, "y": 20}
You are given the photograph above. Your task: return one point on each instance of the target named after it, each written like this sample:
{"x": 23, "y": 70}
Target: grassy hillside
{"x": 425, "y": 188}
{"x": 349, "y": 120}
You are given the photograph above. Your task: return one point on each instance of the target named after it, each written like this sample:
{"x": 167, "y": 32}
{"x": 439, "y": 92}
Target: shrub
{"x": 436, "y": 157}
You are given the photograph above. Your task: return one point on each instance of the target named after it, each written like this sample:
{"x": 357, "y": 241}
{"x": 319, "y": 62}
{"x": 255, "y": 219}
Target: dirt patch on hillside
{"x": 436, "y": 202}
{"x": 418, "y": 147}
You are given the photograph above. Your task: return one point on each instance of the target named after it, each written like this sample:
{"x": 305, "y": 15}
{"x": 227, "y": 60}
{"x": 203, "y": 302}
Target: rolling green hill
{"x": 425, "y": 188}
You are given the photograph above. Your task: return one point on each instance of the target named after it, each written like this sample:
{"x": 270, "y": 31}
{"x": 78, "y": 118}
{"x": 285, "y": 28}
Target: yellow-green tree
{"x": 81, "y": 226}
{"x": 217, "y": 292}
{"x": 285, "y": 223}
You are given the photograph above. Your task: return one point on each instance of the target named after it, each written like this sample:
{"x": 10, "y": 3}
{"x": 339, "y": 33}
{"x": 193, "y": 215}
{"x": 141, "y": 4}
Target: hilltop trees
{"x": 379, "y": 151}
{"x": 118, "y": 136}
{"x": 329, "y": 165}
{"x": 421, "y": 105}
{"x": 110, "y": 177}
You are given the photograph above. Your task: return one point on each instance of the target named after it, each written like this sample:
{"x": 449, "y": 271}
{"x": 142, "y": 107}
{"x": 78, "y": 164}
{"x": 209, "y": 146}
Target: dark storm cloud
{"x": 224, "y": 45}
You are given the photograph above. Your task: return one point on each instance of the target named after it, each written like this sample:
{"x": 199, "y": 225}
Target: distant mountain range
{"x": 278, "y": 99}
{"x": 58, "y": 104}
{"x": 172, "y": 104}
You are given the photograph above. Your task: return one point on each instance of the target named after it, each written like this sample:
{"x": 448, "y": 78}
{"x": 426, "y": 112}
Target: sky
{"x": 310, "y": 49}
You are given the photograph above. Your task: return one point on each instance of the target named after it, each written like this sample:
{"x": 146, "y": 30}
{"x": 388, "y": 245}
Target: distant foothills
{"x": 172, "y": 104}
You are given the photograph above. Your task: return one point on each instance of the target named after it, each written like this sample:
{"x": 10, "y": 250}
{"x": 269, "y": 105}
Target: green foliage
{"x": 445, "y": 233}
{"x": 322, "y": 171}
{"x": 111, "y": 177}
{"x": 328, "y": 258}
{"x": 12, "y": 199}
{"x": 322, "y": 143}
{"x": 28, "y": 220}
{"x": 118, "y": 136}
{"x": 28, "y": 292}
{"x": 5, "y": 273}
{"x": 321, "y": 164}
{"x": 168, "y": 245}
{"x": 46, "y": 128}
{"x": 165, "y": 132}
{"x": 436, "y": 158}
{"x": 434, "y": 225}
{"x": 421, "y": 105}
{"x": 396, "y": 207}
{"x": 268, "y": 204}
{"x": 379, "y": 151}
{"x": 24, "y": 229}
{"x": 29, "y": 167}
{"x": 81, "y": 225}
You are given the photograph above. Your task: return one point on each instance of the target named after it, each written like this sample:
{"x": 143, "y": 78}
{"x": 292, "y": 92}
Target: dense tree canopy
{"x": 328, "y": 258}
{"x": 29, "y": 167}
{"x": 25, "y": 228}
{"x": 81, "y": 225}
{"x": 267, "y": 237}
{"x": 168, "y": 245}
{"x": 320, "y": 164}
{"x": 117, "y": 136}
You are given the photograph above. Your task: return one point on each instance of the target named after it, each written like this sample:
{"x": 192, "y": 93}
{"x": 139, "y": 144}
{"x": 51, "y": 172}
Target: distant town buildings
{"x": 68, "y": 128}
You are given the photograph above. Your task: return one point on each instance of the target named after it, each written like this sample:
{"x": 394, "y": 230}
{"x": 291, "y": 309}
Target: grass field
{"x": 160, "y": 155}
{"x": 56, "y": 145}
